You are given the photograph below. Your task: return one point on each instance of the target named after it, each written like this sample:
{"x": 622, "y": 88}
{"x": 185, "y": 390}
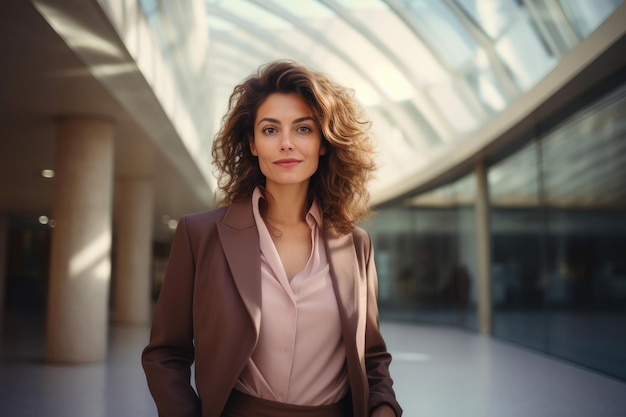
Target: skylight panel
{"x": 521, "y": 48}
{"x": 443, "y": 31}
{"x": 219, "y": 24}
{"x": 492, "y": 16}
{"x": 256, "y": 15}
{"x": 367, "y": 57}
{"x": 305, "y": 9}
{"x": 403, "y": 43}
{"x": 453, "y": 108}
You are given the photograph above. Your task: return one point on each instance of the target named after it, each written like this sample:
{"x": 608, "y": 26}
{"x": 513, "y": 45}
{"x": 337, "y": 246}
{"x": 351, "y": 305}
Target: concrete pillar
{"x": 483, "y": 246}
{"x": 80, "y": 262}
{"x": 133, "y": 250}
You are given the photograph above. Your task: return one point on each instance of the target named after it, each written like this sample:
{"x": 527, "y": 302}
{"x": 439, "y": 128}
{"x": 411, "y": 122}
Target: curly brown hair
{"x": 340, "y": 183}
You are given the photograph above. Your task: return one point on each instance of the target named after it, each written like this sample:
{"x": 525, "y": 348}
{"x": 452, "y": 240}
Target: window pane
{"x": 587, "y": 15}
{"x": 585, "y": 187}
{"x": 443, "y": 31}
{"x": 493, "y": 16}
{"x": 523, "y": 52}
{"x": 453, "y": 108}
{"x": 517, "y": 240}
{"x": 558, "y": 227}
{"x": 426, "y": 256}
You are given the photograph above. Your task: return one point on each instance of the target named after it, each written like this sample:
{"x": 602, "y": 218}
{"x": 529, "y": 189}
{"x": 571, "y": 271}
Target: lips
{"x": 287, "y": 162}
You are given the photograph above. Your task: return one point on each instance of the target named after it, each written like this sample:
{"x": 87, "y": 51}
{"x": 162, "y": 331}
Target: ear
{"x": 252, "y": 145}
{"x": 323, "y": 148}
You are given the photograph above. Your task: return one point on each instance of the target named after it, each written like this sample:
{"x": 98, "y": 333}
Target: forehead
{"x": 283, "y": 105}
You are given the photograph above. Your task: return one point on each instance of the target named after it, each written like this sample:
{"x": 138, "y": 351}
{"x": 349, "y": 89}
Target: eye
{"x": 269, "y": 130}
{"x": 303, "y": 129}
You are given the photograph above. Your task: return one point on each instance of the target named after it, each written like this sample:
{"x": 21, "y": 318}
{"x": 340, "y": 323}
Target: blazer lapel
{"x": 240, "y": 242}
{"x": 342, "y": 259}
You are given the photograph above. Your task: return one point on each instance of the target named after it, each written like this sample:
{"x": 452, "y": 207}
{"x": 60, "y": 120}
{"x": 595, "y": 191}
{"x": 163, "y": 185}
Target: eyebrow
{"x": 298, "y": 120}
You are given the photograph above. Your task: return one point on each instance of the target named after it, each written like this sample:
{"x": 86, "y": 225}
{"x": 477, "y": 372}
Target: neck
{"x": 287, "y": 205}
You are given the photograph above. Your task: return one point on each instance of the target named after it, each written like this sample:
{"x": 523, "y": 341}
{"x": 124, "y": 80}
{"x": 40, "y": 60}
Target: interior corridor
{"x": 439, "y": 372}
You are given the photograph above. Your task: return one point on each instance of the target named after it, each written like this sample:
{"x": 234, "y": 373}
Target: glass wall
{"x": 426, "y": 256}
{"x": 558, "y": 242}
{"x": 559, "y": 239}
{"x": 518, "y": 248}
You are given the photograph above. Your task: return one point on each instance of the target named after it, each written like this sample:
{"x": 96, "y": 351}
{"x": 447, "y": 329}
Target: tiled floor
{"x": 448, "y": 372}
{"x": 439, "y": 372}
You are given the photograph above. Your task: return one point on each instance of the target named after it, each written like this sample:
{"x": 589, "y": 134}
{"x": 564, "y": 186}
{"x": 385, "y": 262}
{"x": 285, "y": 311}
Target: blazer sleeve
{"x": 377, "y": 358}
{"x": 168, "y": 357}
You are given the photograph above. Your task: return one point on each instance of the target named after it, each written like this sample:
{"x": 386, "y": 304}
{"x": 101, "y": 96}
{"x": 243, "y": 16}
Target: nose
{"x": 286, "y": 142}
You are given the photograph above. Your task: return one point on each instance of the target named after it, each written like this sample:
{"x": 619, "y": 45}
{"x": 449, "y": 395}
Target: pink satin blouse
{"x": 300, "y": 356}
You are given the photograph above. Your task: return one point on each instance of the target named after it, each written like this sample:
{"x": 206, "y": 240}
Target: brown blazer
{"x": 209, "y": 310}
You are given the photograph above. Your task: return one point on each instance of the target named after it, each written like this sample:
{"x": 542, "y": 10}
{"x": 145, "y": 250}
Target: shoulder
{"x": 361, "y": 238}
{"x": 205, "y": 217}
{"x": 360, "y": 233}
{"x": 237, "y": 215}
{"x": 358, "y": 238}
{"x": 199, "y": 224}
{"x": 363, "y": 249}
{"x": 196, "y": 230}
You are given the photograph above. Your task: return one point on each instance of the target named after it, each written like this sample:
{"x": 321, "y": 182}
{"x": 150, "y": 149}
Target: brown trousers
{"x": 244, "y": 405}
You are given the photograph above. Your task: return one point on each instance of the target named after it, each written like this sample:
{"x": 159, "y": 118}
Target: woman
{"x": 273, "y": 295}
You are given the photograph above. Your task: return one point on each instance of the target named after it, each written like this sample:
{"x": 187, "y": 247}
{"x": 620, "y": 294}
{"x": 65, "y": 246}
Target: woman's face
{"x": 287, "y": 141}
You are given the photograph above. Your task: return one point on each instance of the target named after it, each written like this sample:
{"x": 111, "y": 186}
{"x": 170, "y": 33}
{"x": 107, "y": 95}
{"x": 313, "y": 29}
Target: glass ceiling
{"x": 428, "y": 72}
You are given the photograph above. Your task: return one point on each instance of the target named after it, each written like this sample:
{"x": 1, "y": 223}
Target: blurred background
{"x": 500, "y": 203}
